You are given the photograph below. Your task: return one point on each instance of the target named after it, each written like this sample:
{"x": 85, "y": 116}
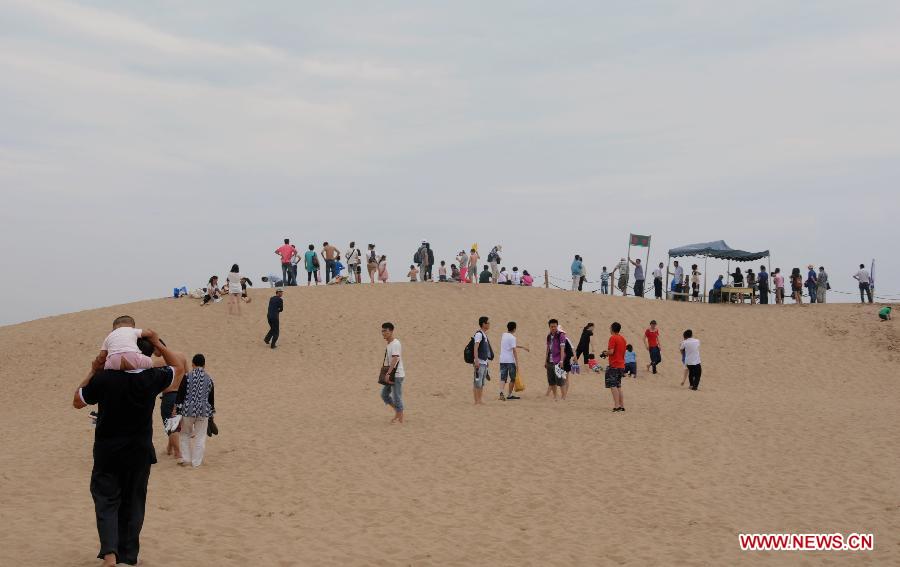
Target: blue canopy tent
{"x": 716, "y": 249}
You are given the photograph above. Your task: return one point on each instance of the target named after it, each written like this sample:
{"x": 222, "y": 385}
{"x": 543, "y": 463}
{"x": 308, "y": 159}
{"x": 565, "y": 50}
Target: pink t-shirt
{"x": 779, "y": 280}
{"x": 286, "y": 252}
{"x": 121, "y": 340}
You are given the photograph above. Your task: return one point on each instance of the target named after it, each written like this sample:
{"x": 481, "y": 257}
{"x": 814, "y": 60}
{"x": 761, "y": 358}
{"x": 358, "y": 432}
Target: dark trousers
{"x": 764, "y": 293}
{"x": 694, "y": 371}
{"x": 639, "y": 288}
{"x": 272, "y": 335}
{"x": 657, "y": 288}
{"x": 655, "y": 357}
{"x": 286, "y": 273}
{"x": 811, "y": 290}
{"x": 864, "y": 290}
{"x": 292, "y": 275}
{"x": 329, "y": 270}
{"x": 119, "y": 499}
{"x": 580, "y": 283}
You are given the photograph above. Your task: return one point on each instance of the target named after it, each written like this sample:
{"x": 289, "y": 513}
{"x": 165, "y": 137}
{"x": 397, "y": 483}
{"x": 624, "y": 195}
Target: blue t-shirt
{"x": 338, "y": 268}
{"x": 576, "y": 268}
{"x": 718, "y": 284}
{"x": 630, "y": 356}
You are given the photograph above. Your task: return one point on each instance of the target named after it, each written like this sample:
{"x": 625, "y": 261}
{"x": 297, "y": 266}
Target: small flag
{"x": 640, "y": 240}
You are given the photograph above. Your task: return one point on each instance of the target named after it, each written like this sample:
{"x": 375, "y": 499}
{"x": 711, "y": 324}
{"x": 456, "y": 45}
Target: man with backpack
{"x": 420, "y": 259}
{"x": 479, "y": 353}
{"x": 428, "y": 266}
{"x": 354, "y": 262}
{"x": 558, "y": 359}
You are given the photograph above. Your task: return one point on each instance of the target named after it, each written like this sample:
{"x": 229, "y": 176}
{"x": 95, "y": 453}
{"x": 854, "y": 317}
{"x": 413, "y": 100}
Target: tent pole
{"x": 668, "y": 265}
{"x": 647, "y": 262}
{"x": 705, "y": 289}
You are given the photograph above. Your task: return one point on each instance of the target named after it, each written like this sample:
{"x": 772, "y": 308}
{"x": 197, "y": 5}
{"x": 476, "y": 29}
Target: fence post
{"x": 546, "y": 280}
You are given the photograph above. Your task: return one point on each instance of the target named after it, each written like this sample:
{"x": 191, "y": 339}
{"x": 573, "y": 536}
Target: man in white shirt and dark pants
{"x": 865, "y": 283}
{"x": 392, "y": 393}
{"x": 690, "y": 347}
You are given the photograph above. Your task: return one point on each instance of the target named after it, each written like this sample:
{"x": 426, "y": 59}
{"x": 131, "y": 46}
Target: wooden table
{"x": 727, "y": 291}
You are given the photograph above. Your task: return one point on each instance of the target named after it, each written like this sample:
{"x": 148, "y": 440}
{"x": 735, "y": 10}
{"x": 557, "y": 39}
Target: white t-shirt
{"x": 679, "y": 273}
{"x": 516, "y": 278}
{"x": 507, "y": 346}
{"x": 502, "y": 278}
{"x": 657, "y": 274}
{"x": 123, "y": 339}
{"x": 862, "y": 276}
{"x": 393, "y": 349}
{"x": 691, "y": 351}
{"x": 353, "y": 257}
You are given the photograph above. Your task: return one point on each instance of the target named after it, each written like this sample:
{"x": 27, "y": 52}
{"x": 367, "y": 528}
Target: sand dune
{"x": 794, "y": 429}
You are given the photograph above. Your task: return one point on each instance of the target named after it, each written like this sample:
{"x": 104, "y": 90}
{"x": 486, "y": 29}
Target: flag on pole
{"x": 640, "y": 240}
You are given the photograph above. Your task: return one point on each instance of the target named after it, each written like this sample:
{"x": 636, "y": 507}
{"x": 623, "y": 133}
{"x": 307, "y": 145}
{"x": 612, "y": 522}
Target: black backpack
{"x": 469, "y": 352}
{"x": 417, "y": 258}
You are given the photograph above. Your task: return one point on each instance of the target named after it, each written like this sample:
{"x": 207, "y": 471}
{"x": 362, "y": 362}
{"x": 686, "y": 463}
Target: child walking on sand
{"x": 120, "y": 346}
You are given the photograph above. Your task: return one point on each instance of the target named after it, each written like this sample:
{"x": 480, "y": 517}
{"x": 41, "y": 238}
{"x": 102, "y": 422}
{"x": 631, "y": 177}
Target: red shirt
{"x": 652, "y": 338}
{"x": 285, "y": 251}
{"x": 616, "y": 348}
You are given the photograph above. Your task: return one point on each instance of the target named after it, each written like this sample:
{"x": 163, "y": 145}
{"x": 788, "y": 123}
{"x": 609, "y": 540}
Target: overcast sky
{"x": 147, "y": 145}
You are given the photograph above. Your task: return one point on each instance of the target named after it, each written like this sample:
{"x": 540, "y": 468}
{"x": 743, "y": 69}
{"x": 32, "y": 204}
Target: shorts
{"x": 631, "y": 368}
{"x": 167, "y": 405}
{"x": 137, "y": 361}
{"x": 614, "y": 377}
{"x": 552, "y": 378}
{"x": 507, "y": 371}
{"x": 481, "y": 374}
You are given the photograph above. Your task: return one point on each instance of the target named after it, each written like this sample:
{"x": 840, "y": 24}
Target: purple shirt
{"x": 556, "y": 348}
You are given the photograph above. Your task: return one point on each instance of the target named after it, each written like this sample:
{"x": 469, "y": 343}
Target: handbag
{"x": 384, "y": 378}
{"x": 519, "y": 383}
{"x": 211, "y": 427}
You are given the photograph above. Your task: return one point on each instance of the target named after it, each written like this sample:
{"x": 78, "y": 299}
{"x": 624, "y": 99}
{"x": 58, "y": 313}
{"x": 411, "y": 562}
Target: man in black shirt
{"x": 123, "y": 446}
{"x": 276, "y": 306}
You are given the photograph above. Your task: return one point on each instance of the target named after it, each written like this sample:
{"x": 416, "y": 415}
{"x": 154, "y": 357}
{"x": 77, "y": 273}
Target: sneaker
{"x": 512, "y": 397}
{"x": 502, "y": 397}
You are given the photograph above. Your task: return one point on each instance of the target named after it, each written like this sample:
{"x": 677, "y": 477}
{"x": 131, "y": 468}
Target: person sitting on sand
{"x": 485, "y": 275}
{"x": 212, "y": 291}
{"x": 884, "y": 313}
{"x": 442, "y": 271}
{"x": 120, "y": 347}
{"x": 244, "y": 283}
{"x": 454, "y": 273}
{"x": 413, "y": 274}
{"x": 527, "y": 279}
{"x": 630, "y": 361}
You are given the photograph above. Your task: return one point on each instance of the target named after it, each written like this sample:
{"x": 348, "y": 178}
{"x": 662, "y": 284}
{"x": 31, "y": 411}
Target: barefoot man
{"x": 392, "y": 393}
{"x": 123, "y": 447}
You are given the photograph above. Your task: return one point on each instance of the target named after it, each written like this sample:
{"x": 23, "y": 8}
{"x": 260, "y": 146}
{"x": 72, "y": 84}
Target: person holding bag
{"x": 392, "y": 375}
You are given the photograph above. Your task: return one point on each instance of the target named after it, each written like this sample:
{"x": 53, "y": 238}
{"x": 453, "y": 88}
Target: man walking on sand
{"x": 555, "y": 360}
{"x": 651, "y": 341}
{"x": 392, "y": 393}
{"x": 690, "y": 348}
{"x": 123, "y": 446}
{"x": 483, "y": 355}
{"x": 615, "y": 351}
{"x": 509, "y": 361}
{"x": 330, "y": 254}
{"x": 276, "y": 306}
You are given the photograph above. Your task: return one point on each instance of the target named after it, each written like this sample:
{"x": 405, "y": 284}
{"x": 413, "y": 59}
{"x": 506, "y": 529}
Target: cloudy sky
{"x": 150, "y": 144}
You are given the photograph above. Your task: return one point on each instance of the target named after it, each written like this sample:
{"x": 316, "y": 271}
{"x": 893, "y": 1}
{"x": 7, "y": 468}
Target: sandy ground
{"x": 794, "y": 429}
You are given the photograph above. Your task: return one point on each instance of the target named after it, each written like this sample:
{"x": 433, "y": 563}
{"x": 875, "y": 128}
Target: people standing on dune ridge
{"x": 811, "y": 283}
{"x": 658, "y": 281}
{"x": 354, "y": 263}
{"x": 575, "y": 269}
{"x": 639, "y": 278}
{"x": 494, "y": 260}
{"x": 762, "y": 279}
{"x": 604, "y": 282}
{"x": 865, "y": 283}
{"x": 822, "y": 285}
{"x": 473, "y": 266}
{"x": 622, "y": 269}
{"x": 383, "y": 269}
{"x": 285, "y": 251}
{"x": 311, "y": 263}
{"x": 677, "y": 277}
{"x": 235, "y": 290}
{"x": 462, "y": 260}
{"x": 394, "y": 373}
{"x": 372, "y": 263}
{"x": 797, "y": 286}
{"x": 330, "y": 254}
{"x": 778, "y": 280}
{"x": 428, "y": 272}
